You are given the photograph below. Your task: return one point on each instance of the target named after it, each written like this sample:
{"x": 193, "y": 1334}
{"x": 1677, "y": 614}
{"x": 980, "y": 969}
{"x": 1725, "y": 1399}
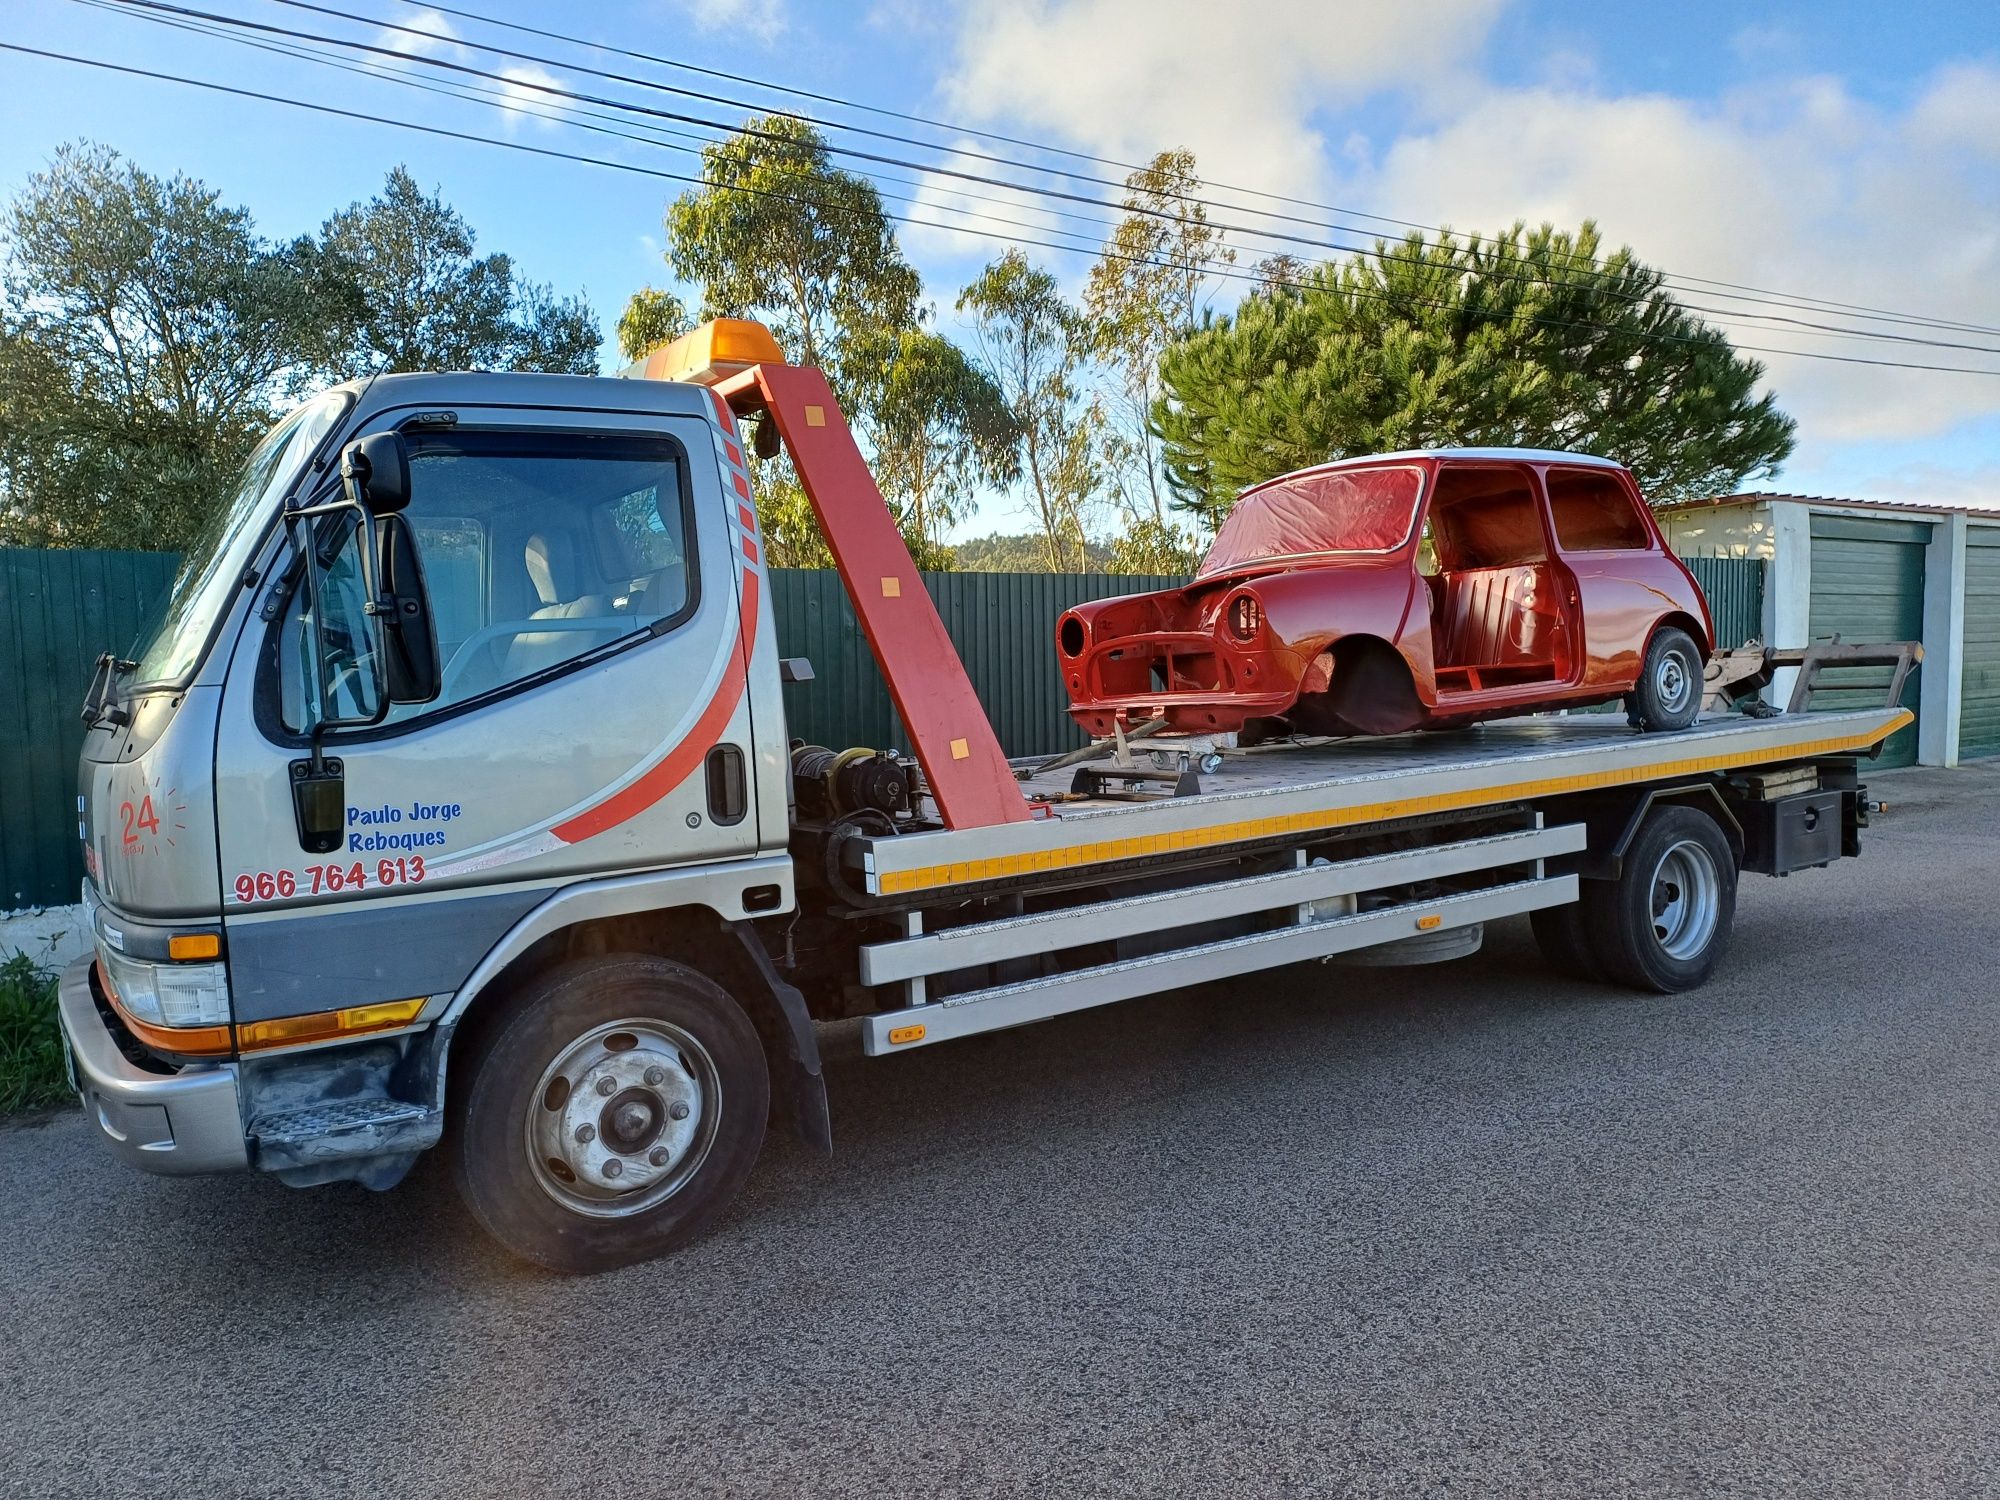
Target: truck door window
{"x": 541, "y": 550}
{"x": 346, "y": 637}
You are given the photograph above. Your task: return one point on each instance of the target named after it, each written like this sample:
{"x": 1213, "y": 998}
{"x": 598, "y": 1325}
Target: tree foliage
{"x": 651, "y": 318}
{"x": 1143, "y": 294}
{"x": 1036, "y": 348}
{"x": 1535, "y": 339}
{"x": 428, "y": 302}
{"x": 148, "y": 335}
{"x": 940, "y": 429}
{"x": 147, "y": 332}
{"x": 780, "y": 233}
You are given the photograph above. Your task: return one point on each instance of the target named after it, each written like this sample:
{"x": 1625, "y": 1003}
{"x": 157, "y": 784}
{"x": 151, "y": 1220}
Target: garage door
{"x": 1979, "y": 703}
{"x": 1868, "y": 584}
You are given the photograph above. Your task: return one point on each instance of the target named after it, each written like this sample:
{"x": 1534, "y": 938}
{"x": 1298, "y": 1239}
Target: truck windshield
{"x": 1307, "y": 515}
{"x": 171, "y": 646}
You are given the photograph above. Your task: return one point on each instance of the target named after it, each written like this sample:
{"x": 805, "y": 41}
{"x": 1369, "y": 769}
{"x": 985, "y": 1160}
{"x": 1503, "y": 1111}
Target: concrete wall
{"x": 51, "y": 936}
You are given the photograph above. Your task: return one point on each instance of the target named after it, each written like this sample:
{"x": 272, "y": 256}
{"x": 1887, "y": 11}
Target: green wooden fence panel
{"x": 1002, "y": 623}
{"x": 58, "y": 610}
{"x": 1735, "y": 590}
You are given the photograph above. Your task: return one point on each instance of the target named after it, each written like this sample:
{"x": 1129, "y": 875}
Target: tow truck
{"x": 452, "y": 799}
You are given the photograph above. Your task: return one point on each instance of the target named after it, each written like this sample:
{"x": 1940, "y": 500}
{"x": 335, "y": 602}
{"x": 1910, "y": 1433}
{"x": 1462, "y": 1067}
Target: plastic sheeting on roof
{"x": 1339, "y": 510}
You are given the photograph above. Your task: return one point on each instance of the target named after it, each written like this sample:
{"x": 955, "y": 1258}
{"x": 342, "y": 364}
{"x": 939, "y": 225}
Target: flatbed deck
{"x": 1268, "y": 794}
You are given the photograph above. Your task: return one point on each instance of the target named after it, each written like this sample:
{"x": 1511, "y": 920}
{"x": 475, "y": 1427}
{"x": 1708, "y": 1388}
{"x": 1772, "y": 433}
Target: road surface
{"x": 1469, "y": 1230}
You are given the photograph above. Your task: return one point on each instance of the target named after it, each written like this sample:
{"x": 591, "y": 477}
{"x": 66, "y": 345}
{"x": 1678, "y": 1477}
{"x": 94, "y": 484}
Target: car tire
{"x": 1668, "y": 692}
{"x": 1564, "y": 941}
{"x": 609, "y": 1113}
{"x": 1664, "y": 923}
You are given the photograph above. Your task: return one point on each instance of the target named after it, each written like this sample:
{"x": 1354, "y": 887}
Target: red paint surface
{"x": 1515, "y": 623}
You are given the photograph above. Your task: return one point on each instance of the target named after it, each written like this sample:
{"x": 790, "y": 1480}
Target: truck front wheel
{"x": 1664, "y": 923}
{"x": 610, "y": 1113}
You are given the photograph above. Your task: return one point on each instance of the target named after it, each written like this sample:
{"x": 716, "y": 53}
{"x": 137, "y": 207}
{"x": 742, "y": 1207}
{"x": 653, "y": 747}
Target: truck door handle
{"x": 728, "y": 790}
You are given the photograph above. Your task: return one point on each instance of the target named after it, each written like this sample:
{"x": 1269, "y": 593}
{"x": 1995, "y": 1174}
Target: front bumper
{"x": 171, "y": 1123}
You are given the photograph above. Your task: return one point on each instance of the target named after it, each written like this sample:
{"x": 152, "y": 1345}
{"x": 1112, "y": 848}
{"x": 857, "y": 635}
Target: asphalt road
{"x": 1469, "y": 1230}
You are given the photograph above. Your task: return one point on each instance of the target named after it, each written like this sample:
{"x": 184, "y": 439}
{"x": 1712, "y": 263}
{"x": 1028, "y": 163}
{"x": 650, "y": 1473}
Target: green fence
{"x": 58, "y": 610}
{"x": 1735, "y": 589}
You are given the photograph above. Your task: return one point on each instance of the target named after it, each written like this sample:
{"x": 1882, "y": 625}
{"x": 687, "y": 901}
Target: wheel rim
{"x": 1672, "y": 681}
{"x": 1686, "y": 900}
{"x": 623, "y": 1118}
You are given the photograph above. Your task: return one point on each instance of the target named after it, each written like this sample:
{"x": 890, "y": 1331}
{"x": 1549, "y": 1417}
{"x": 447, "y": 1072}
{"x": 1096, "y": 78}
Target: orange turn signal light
{"x": 711, "y": 353}
{"x": 1425, "y": 924}
{"x": 325, "y": 1025}
{"x": 185, "y": 947}
{"x": 902, "y": 1034}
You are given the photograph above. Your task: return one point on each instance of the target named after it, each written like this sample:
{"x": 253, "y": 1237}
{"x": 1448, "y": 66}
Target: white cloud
{"x": 1132, "y": 77}
{"x": 983, "y": 219}
{"x": 763, "y": 19}
{"x": 439, "y": 39}
{"x": 1798, "y": 187}
{"x": 1796, "y": 183}
{"x": 525, "y": 96}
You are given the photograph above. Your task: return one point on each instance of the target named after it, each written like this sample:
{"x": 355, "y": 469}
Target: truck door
{"x": 592, "y": 718}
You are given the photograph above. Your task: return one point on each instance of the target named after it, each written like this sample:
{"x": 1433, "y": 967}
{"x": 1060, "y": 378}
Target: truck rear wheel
{"x": 1663, "y": 924}
{"x": 1565, "y": 942}
{"x": 610, "y": 1114}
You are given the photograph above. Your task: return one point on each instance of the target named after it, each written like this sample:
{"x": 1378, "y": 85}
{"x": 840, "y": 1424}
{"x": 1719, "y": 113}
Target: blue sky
{"x": 1846, "y": 150}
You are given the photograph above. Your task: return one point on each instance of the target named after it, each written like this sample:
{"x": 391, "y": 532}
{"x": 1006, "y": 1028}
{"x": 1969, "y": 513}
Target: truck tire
{"x": 1564, "y": 941}
{"x": 609, "y": 1113}
{"x": 1668, "y": 692}
{"x": 1664, "y": 923}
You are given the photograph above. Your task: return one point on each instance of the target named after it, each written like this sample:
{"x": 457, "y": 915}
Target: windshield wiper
{"x": 101, "y": 703}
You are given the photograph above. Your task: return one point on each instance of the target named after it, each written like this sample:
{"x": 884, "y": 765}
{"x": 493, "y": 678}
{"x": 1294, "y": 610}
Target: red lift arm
{"x": 954, "y": 741}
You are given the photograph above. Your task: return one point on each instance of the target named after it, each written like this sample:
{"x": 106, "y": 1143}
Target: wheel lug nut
{"x": 605, "y": 1086}
{"x": 613, "y": 1168}
{"x": 658, "y": 1157}
{"x": 656, "y": 1076}
{"x": 679, "y": 1110}
{"x": 586, "y": 1133}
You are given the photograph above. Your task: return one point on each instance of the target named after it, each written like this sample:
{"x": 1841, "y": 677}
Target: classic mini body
{"x": 1404, "y": 591}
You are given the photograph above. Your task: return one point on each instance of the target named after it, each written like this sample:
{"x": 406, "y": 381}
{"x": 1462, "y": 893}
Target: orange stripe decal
{"x": 680, "y": 762}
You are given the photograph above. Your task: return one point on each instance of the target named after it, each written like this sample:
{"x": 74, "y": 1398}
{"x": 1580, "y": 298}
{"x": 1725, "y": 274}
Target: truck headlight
{"x": 168, "y": 994}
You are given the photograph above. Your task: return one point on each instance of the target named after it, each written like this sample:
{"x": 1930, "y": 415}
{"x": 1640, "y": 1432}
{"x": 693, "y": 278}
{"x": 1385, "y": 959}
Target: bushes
{"x": 31, "y": 1058}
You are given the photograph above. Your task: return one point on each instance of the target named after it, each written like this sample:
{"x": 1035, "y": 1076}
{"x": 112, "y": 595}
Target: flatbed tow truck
{"x": 564, "y": 894}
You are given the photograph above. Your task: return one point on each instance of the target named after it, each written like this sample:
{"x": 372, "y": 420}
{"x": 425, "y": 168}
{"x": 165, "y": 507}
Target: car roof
{"x": 1404, "y": 455}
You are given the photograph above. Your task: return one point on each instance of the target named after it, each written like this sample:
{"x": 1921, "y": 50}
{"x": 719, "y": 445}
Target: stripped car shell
{"x": 1395, "y": 592}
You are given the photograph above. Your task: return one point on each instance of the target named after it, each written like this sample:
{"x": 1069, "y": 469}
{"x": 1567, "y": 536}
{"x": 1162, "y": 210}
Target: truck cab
{"x": 296, "y": 858}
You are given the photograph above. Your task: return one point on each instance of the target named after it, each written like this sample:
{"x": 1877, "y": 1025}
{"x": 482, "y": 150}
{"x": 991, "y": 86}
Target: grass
{"x": 31, "y": 1058}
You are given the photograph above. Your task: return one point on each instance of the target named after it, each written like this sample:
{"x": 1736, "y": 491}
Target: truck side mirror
{"x": 376, "y": 472}
{"x": 409, "y": 634}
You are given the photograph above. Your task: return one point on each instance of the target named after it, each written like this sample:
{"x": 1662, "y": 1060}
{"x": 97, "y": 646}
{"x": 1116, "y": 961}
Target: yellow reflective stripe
{"x": 1139, "y": 846}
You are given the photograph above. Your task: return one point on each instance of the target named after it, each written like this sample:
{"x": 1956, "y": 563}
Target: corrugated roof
{"x": 1747, "y": 497}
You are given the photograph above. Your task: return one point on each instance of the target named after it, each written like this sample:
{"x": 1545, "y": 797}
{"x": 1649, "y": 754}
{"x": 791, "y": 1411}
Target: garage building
{"x": 1875, "y": 570}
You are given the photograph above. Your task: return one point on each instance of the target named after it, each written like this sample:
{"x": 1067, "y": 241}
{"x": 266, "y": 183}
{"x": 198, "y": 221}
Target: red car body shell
{"x": 1367, "y": 642}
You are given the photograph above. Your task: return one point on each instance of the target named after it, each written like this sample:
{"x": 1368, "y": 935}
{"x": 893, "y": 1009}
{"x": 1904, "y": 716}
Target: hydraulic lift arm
{"x": 953, "y": 739}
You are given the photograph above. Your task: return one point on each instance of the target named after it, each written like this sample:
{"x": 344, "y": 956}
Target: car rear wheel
{"x": 1668, "y": 692}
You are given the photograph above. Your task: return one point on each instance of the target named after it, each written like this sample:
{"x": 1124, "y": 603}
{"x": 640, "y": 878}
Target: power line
{"x": 834, "y": 147}
{"x": 662, "y": 174}
{"x": 1791, "y": 299}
